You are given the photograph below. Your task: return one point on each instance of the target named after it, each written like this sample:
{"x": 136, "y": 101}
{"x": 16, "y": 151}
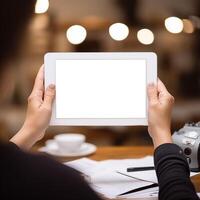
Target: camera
{"x": 188, "y": 139}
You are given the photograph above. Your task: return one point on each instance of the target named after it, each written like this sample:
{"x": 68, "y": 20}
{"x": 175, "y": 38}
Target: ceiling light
{"x": 145, "y": 36}
{"x": 174, "y": 24}
{"x": 76, "y": 34}
{"x": 119, "y": 31}
{"x": 41, "y": 6}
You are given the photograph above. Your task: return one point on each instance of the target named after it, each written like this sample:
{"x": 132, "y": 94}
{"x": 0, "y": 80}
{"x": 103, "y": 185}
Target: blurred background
{"x": 168, "y": 27}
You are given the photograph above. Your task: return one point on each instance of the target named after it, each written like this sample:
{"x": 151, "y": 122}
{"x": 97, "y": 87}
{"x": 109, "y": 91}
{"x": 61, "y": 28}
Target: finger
{"x": 38, "y": 88}
{"x": 49, "y": 96}
{"x": 152, "y": 94}
{"x": 163, "y": 92}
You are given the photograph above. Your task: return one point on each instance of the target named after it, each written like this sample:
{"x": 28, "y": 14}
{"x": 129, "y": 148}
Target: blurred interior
{"x": 175, "y": 40}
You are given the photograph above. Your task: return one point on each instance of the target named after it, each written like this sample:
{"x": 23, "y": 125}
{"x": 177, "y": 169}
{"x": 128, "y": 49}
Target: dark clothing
{"x": 173, "y": 174}
{"x": 29, "y": 176}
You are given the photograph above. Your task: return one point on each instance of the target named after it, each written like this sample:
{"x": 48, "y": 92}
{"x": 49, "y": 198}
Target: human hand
{"x": 159, "y": 115}
{"x": 38, "y": 113}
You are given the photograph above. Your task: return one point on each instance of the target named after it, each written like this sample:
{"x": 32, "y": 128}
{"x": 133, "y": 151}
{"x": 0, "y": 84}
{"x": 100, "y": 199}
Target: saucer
{"x": 52, "y": 149}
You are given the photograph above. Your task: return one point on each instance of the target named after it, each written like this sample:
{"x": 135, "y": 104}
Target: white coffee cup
{"x": 69, "y": 142}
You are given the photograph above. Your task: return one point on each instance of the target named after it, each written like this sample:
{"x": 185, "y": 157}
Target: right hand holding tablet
{"x": 159, "y": 116}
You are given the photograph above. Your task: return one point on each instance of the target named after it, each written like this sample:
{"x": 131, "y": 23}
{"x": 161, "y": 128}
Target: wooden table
{"x": 122, "y": 152}
{"x": 104, "y": 153}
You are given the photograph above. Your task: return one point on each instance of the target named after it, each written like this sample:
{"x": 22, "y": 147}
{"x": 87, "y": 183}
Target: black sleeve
{"x": 173, "y": 174}
{"x": 28, "y": 176}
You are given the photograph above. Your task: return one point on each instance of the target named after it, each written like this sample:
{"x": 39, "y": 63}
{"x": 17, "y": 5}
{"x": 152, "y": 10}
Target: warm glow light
{"x": 195, "y": 21}
{"x": 188, "y": 26}
{"x": 145, "y": 36}
{"x": 41, "y": 6}
{"x": 174, "y": 24}
{"x": 76, "y": 34}
{"x": 119, "y": 31}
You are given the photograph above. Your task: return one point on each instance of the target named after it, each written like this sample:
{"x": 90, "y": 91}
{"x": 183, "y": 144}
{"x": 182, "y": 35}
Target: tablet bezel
{"x": 50, "y": 78}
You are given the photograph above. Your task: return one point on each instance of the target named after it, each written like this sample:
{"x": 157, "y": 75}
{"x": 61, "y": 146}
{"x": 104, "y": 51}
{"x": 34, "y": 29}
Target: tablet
{"x": 100, "y": 89}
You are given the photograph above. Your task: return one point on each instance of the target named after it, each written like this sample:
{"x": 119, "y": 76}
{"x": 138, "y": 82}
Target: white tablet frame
{"x": 50, "y": 77}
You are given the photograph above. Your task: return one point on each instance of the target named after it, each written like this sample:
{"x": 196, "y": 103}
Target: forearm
{"x": 162, "y": 137}
{"x": 173, "y": 174}
{"x": 25, "y": 138}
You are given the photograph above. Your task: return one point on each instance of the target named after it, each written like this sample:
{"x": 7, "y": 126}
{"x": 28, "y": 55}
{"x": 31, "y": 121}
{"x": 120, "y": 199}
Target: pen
{"x": 137, "y": 169}
{"x": 140, "y": 189}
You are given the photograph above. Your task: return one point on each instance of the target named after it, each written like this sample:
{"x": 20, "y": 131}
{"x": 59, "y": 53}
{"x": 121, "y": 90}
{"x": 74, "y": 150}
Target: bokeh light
{"x": 145, "y": 36}
{"x": 76, "y": 34}
{"x": 119, "y": 31}
{"x": 188, "y": 26}
{"x": 174, "y": 24}
{"x": 41, "y": 6}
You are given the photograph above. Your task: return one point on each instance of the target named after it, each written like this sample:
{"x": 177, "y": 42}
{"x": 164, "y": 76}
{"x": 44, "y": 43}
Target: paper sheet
{"x": 103, "y": 176}
{"x": 84, "y": 165}
{"x": 149, "y": 175}
{"x": 105, "y": 179}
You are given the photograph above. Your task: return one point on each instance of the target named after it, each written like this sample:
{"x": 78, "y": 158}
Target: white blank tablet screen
{"x": 100, "y": 88}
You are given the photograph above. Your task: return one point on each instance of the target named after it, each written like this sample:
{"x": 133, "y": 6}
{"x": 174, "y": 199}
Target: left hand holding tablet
{"x": 38, "y": 113}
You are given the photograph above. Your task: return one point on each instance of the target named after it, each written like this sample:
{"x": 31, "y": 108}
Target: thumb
{"x": 152, "y": 94}
{"x": 49, "y": 96}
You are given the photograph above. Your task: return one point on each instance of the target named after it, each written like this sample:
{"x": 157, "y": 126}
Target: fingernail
{"x": 52, "y": 86}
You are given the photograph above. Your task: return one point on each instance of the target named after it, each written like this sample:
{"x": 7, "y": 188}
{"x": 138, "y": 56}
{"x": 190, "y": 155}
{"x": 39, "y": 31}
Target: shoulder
{"x": 41, "y": 176}
{"x": 31, "y": 162}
